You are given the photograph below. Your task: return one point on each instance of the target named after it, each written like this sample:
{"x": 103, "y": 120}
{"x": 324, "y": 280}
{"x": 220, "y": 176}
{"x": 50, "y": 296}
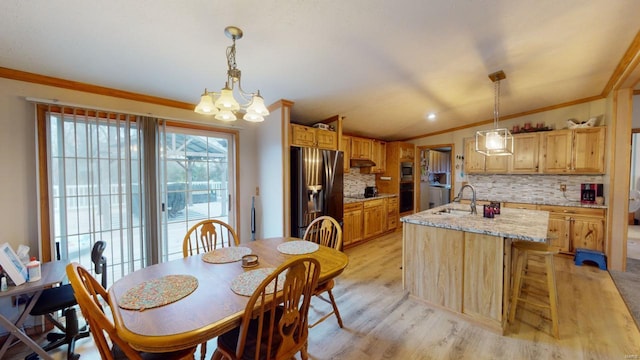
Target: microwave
{"x": 406, "y": 171}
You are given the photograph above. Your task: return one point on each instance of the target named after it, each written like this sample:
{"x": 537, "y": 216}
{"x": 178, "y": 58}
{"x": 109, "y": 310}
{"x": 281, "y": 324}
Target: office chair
{"x": 61, "y": 298}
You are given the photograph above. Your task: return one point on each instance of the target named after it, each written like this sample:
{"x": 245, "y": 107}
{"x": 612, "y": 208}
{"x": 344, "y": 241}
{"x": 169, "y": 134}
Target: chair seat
{"x": 325, "y": 286}
{"x": 54, "y": 299}
{"x": 229, "y": 340}
{"x": 118, "y": 354}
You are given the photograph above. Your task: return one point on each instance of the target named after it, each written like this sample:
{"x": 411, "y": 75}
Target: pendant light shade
{"x": 496, "y": 141}
{"x": 206, "y": 105}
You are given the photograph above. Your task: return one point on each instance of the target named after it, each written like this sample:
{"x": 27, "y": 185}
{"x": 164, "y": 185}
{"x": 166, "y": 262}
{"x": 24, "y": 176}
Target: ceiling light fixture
{"x": 224, "y": 105}
{"x": 495, "y": 141}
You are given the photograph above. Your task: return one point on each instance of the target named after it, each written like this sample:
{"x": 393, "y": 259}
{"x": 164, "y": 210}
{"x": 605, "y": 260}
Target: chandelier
{"x": 495, "y": 141}
{"x": 223, "y": 104}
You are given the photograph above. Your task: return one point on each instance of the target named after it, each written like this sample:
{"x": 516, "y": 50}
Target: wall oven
{"x": 406, "y": 197}
{"x": 406, "y": 171}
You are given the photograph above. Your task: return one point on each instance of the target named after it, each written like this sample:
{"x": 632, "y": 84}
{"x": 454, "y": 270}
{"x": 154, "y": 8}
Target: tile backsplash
{"x": 354, "y": 182}
{"x": 531, "y": 188}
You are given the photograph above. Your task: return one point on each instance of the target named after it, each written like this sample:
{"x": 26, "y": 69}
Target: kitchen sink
{"x": 453, "y": 212}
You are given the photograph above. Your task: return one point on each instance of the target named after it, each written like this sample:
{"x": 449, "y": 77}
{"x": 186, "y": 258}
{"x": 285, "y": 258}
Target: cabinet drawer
{"x": 573, "y": 210}
{"x": 521, "y": 206}
{"x": 353, "y": 206}
{"x": 373, "y": 203}
{"x": 392, "y": 201}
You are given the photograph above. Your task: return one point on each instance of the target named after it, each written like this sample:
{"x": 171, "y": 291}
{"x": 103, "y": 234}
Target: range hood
{"x": 359, "y": 163}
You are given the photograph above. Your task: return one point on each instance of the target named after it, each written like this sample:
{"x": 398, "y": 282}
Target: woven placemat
{"x": 298, "y": 247}
{"x": 246, "y": 283}
{"x": 158, "y": 292}
{"x": 226, "y": 255}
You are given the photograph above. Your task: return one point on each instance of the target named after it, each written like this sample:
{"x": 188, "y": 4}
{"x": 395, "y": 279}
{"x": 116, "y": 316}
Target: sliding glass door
{"x": 130, "y": 181}
{"x": 198, "y": 168}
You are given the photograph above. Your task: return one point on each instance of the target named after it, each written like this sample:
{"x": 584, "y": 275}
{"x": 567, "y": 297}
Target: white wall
{"x": 271, "y": 172}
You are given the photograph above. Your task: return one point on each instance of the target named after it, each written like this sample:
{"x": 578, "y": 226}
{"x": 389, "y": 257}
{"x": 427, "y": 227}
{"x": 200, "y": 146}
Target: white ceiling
{"x": 382, "y": 64}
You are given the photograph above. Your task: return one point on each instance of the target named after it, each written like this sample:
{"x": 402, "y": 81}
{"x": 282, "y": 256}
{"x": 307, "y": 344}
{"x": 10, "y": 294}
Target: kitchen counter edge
{"x": 351, "y": 200}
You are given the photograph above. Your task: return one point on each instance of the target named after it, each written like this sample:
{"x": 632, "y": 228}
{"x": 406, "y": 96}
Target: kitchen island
{"x": 461, "y": 262}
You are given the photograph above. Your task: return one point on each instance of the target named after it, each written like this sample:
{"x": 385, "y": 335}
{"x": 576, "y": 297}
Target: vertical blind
{"x": 129, "y": 180}
{"x": 96, "y": 186}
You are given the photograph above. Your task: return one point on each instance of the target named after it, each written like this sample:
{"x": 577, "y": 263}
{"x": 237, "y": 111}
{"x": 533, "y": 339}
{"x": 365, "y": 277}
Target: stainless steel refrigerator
{"x": 316, "y": 186}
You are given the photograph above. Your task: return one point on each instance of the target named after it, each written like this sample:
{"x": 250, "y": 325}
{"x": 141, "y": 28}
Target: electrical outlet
{"x": 257, "y": 190}
{"x": 563, "y": 187}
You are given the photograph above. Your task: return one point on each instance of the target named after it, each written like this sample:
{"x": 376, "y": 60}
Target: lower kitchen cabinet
{"x": 392, "y": 213}
{"x": 573, "y": 227}
{"x": 374, "y": 214}
{"x": 367, "y": 219}
{"x": 352, "y": 226}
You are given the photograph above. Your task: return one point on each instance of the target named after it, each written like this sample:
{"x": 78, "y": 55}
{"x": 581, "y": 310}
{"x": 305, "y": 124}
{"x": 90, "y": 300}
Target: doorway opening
{"x": 437, "y": 175}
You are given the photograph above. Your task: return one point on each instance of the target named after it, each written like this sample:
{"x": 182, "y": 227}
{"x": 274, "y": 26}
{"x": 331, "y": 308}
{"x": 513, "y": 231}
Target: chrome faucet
{"x": 473, "y": 197}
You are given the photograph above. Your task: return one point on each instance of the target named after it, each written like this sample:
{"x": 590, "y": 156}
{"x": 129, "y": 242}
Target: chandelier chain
{"x": 496, "y": 102}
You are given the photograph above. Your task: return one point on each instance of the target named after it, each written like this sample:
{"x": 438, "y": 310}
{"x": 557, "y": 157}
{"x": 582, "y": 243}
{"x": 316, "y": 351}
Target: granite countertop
{"x": 349, "y": 199}
{"x": 511, "y": 223}
{"x": 570, "y": 203}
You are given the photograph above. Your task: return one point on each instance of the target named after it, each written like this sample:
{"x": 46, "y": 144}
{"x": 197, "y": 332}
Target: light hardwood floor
{"x": 383, "y": 322}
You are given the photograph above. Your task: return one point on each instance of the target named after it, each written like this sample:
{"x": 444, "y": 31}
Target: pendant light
{"x": 225, "y": 106}
{"x": 496, "y": 141}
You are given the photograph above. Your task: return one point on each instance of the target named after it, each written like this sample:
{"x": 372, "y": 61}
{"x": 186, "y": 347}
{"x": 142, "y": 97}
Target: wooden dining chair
{"x": 326, "y": 231}
{"x": 91, "y": 296}
{"x": 208, "y": 235}
{"x": 275, "y": 327}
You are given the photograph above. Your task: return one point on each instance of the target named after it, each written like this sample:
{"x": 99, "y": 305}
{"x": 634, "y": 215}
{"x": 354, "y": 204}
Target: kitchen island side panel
{"x": 433, "y": 265}
{"x": 483, "y": 277}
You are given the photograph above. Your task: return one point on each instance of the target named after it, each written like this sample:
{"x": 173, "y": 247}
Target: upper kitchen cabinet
{"x": 576, "y": 151}
{"x": 378, "y": 156}
{"x": 311, "y": 137}
{"x": 407, "y": 152}
{"x": 439, "y": 162}
{"x": 475, "y": 162}
{"x": 361, "y": 148}
{"x": 526, "y": 151}
{"x": 345, "y": 147}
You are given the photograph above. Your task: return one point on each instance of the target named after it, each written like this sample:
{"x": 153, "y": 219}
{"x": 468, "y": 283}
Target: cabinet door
{"x": 473, "y": 161}
{"x": 345, "y": 146}
{"x": 557, "y": 145}
{"x": 558, "y": 231}
{"x": 392, "y": 213}
{"x": 496, "y": 164}
{"x": 302, "y": 135}
{"x": 326, "y": 139}
{"x": 360, "y": 148}
{"x": 378, "y": 156}
{"x": 587, "y": 232}
{"x": 588, "y": 150}
{"x": 374, "y": 214}
{"x": 407, "y": 152}
{"x": 352, "y": 228}
{"x": 525, "y": 153}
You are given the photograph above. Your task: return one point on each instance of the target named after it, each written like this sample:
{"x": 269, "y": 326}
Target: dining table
{"x": 213, "y": 308}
